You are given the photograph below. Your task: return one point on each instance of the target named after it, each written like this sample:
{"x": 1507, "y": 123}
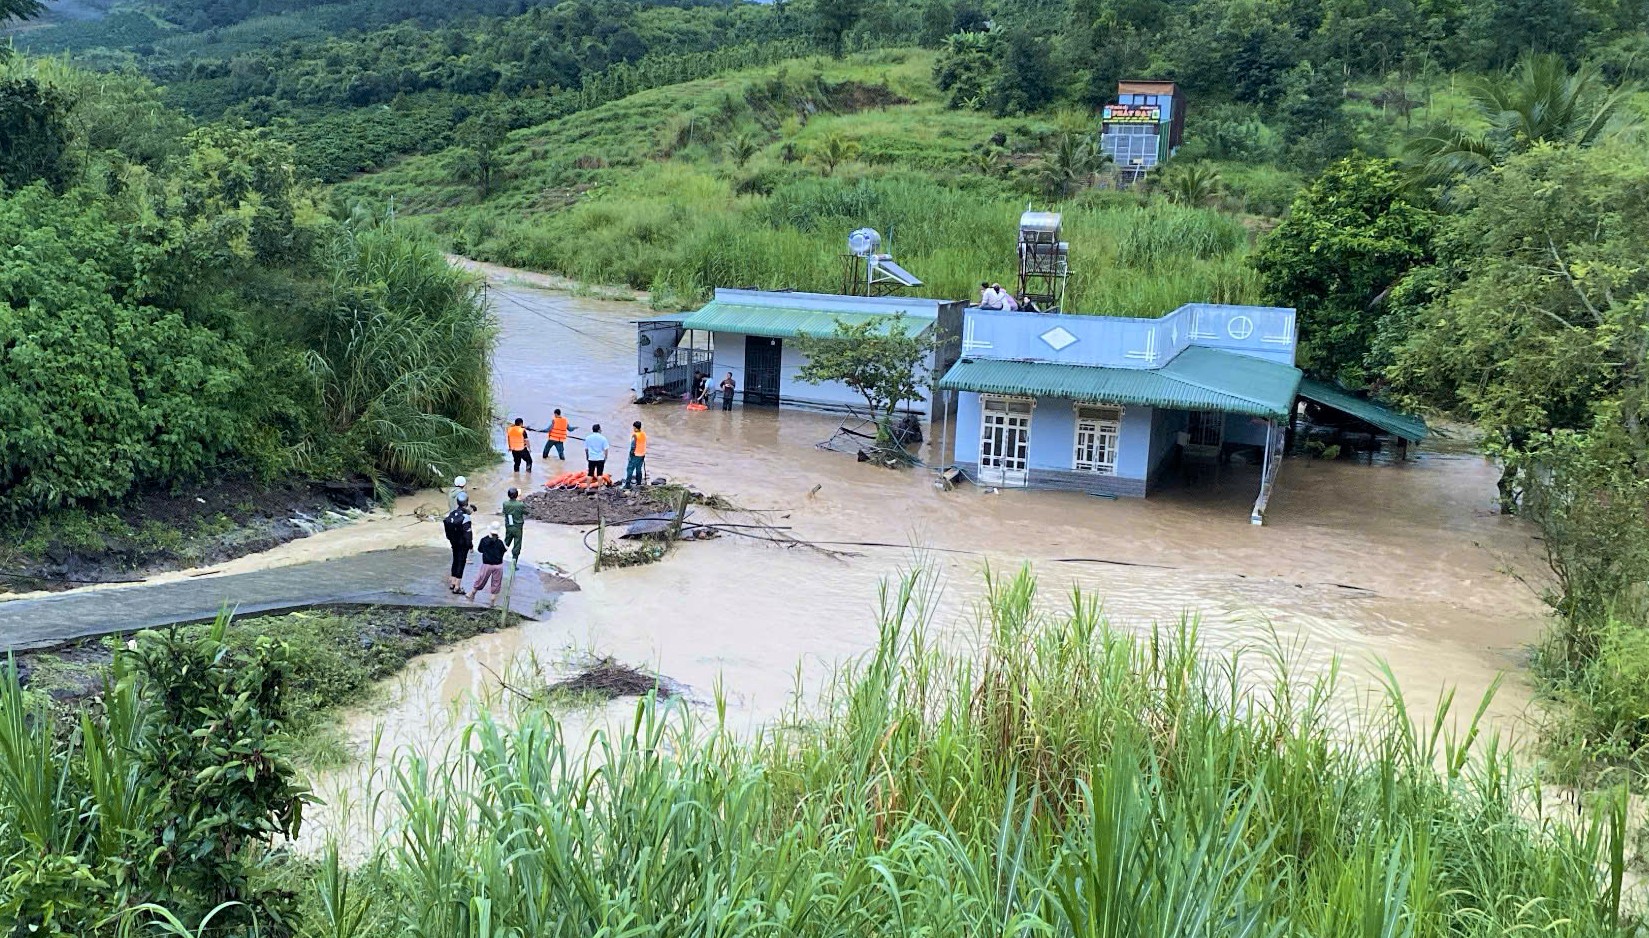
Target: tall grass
{"x": 401, "y": 352}
{"x": 1064, "y": 780}
{"x": 675, "y": 229}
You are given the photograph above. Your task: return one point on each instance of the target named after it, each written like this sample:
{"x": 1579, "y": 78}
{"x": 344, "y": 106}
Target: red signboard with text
{"x": 1133, "y": 114}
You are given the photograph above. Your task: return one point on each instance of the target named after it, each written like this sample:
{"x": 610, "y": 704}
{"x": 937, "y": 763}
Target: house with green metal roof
{"x": 1108, "y": 405}
{"x": 753, "y": 335}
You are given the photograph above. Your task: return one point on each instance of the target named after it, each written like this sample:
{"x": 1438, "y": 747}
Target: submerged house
{"x": 753, "y": 334}
{"x": 1106, "y": 404}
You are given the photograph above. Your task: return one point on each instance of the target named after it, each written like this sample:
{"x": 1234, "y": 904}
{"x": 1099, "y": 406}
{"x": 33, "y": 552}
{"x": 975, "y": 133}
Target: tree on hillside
{"x": 1070, "y": 165}
{"x": 1536, "y": 314}
{"x": 1346, "y": 241}
{"x": 1024, "y": 80}
{"x": 20, "y": 9}
{"x": 479, "y": 158}
{"x": 741, "y": 148}
{"x": 34, "y": 134}
{"x": 832, "y": 19}
{"x": 833, "y": 151}
{"x": 1538, "y": 101}
{"x": 875, "y": 358}
{"x": 1195, "y": 184}
{"x": 1311, "y": 109}
{"x": 966, "y": 67}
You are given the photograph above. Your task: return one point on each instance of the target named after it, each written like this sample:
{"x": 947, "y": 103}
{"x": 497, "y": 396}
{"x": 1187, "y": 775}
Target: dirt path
{"x": 414, "y": 576}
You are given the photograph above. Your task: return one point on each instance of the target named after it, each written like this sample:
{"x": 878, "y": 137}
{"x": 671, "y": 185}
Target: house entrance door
{"x": 1004, "y": 440}
{"x": 761, "y": 370}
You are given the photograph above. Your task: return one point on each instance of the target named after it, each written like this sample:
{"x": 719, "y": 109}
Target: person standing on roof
{"x": 557, "y": 436}
{"x": 461, "y": 538}
{"x": 633, "y": 470}
{"x": 515, "y": 521}
{"x": 520, "y": 449}
{"x": 492, "y": 567}
{"x": 595, "y": 452}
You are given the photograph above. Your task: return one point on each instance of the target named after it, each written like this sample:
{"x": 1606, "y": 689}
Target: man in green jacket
{"x": 515, "y": 522}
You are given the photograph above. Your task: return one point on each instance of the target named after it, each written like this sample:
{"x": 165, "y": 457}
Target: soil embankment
{"x": 161, "y": 532}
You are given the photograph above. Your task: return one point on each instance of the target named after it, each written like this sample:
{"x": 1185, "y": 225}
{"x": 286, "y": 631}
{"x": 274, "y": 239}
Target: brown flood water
{"x": 1402, "y": 563}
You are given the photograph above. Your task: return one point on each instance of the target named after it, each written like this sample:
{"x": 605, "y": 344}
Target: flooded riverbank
{"x": 1405, "y": 563}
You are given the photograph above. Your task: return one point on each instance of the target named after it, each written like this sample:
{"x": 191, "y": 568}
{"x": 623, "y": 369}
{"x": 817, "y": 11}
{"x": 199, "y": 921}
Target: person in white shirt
{"x": 1008, "y": 302}
{"x": 989, "y": 296}
{"x": 595, "y": 452}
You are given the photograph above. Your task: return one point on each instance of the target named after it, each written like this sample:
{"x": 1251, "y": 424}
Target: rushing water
{"x": 1405, "y": 563}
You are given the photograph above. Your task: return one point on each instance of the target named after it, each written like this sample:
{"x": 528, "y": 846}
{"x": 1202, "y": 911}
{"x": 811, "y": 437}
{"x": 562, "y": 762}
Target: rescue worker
{"x": 557, "y": 437}
{"x": 515, "y": 522}
{"x": 520, "y": 450}
{"x": 460, "y": 537}
{"x": 638, "y": 456}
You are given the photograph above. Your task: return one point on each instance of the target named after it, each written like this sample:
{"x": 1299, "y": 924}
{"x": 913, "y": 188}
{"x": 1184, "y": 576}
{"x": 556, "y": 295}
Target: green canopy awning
{"x": 1394, "y": 422}
{"x": 789, "y": 322}
{"x": 1197, "y": 379}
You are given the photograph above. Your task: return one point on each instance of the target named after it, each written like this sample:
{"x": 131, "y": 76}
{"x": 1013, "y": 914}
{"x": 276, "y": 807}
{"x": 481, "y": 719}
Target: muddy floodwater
{"x": 1405, "y": 563}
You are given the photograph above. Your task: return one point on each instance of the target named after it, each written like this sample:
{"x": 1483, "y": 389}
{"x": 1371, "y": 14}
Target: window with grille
{"x": 1098, "y": 434}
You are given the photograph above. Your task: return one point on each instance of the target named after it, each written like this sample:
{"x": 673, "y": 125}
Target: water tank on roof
{"x": 1039, "y": 228}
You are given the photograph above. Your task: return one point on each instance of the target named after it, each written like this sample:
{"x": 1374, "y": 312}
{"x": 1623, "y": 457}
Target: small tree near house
{"x": 876, "y": 358}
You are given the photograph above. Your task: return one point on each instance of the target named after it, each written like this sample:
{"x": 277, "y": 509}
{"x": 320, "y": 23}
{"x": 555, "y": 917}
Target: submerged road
{"x": 411, "y": 576}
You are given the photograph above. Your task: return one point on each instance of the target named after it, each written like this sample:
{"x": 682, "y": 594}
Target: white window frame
{"x": 1097, "y": 421}
{"x": 999, "y": 469}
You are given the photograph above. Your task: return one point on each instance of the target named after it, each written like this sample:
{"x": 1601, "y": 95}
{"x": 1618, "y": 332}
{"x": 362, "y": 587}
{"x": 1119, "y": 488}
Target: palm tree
{"x": 1192, "y": 184}
{"x": 1070, "y": 165}
{"x": 1538, "y": 101}
{"x": 833, "y": 152}
{"x": 741, "y": 148}
{"x": 988, "y": 162}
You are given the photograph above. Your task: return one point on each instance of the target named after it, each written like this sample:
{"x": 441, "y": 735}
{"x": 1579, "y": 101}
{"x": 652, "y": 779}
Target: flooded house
{"x": 1110, "y": 405}
{"x": 755, "y": 335}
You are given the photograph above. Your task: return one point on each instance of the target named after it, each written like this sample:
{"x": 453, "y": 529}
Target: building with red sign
{"x": 1143, "y": 127}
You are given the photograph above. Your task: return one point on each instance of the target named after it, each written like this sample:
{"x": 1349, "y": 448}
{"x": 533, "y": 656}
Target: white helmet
{"x": 460, "y": 482}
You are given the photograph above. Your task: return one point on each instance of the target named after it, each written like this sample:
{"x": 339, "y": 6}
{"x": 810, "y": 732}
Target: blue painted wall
{"x": 1053, "y": 435}
{"x": 1129, "y": 342}
{"x": 729, "y": 356}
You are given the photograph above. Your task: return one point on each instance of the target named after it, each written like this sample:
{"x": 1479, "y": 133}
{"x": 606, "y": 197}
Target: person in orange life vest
{"x": 557, "y": 431}
{"x": 638, "y": 455}
{"x": 520, "y": 450}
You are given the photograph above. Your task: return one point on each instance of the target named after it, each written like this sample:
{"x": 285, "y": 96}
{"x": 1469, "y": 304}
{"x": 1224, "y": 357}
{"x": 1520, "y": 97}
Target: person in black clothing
{"x": 728, "y": 386}
{"x": 461, "y": 537}
{"x": 492, "y": 566}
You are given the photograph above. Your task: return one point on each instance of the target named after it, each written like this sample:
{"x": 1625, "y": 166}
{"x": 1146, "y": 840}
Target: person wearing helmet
{"x": 461, "y": 538}
{"x": 458, "y": 488}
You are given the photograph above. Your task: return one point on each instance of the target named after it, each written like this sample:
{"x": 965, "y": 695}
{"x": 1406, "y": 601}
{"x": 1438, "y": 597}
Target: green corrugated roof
{"x": 1197, "y": 379}
{"x": 1394, "y": 422}
{"x": 788, "y": 322}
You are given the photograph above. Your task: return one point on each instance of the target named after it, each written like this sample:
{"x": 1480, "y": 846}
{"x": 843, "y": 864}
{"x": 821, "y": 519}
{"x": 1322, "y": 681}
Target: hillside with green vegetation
{"x": 178, "y": 309}
{"x": 1453, "y": 195}
{"x": 755, "y": 178}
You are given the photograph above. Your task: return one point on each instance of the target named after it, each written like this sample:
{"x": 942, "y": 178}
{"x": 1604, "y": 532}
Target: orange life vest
{"x": 638, "y": 443}
{"x": 558, "y": 429}
{"x": 517, "y": 437}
